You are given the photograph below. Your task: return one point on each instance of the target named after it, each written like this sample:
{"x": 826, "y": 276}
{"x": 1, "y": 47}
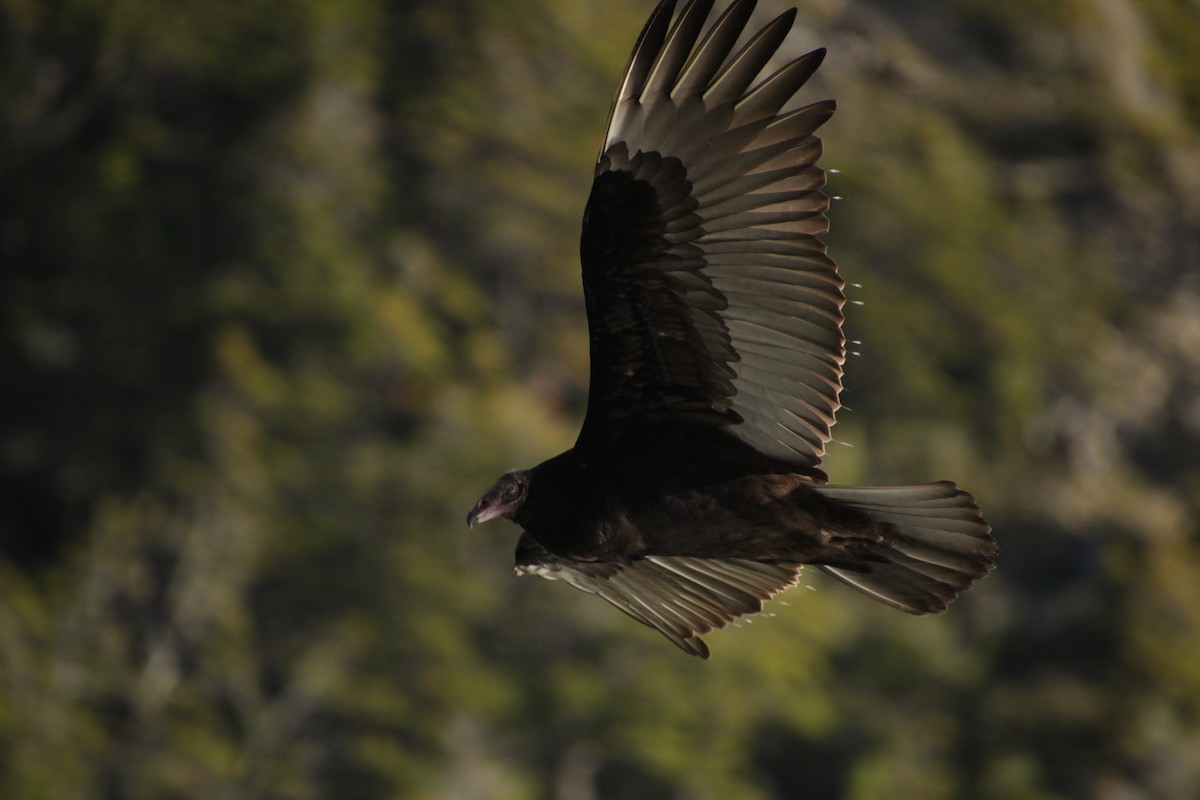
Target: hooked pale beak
{"x": 485, "y": 509}
{"x": 502, "y": 500}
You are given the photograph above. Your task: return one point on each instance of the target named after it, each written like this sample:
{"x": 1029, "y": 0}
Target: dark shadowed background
{"x": 284, "y": 286}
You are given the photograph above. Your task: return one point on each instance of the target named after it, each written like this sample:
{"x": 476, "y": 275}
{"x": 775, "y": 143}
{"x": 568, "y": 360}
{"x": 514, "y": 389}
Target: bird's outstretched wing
{"x": 709, "y": 295}
{"x": 679, "y": 597}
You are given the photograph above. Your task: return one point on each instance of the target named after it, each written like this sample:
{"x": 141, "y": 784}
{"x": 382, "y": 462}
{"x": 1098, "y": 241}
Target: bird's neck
{"x": 560, "y": 509}
{"x": 554, "y": 486}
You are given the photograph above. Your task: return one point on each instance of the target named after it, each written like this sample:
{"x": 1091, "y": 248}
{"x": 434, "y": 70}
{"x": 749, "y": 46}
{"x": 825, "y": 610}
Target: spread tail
{"x": 940, "y": 544}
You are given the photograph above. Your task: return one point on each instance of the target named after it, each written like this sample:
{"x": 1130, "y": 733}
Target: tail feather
{"x": 939, "y": 546}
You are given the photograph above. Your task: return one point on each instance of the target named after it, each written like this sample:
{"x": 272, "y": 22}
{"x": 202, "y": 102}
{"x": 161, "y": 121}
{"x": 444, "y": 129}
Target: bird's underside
{"x": 694, "y": 493}
{"x": 912, "y": 547}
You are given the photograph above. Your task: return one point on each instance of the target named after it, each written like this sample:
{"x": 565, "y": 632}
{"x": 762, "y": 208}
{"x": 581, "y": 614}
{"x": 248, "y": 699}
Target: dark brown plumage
{"x": 693, "y": 493}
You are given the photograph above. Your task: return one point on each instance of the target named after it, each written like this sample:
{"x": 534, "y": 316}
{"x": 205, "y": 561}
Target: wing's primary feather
{"x": 679, "y": 597}
{"x": 710, "y": 296}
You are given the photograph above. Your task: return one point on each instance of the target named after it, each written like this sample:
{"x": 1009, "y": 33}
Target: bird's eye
{"x": 510, "y": 491}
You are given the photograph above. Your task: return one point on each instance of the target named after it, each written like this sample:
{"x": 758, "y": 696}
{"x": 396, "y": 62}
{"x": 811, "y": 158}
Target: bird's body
{"x": 674, "y": 493}
{"x": 693, "y": 492}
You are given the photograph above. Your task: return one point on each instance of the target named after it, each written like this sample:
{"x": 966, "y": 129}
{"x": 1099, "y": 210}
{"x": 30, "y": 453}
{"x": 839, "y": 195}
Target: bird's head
{"x": 504, "y": 499}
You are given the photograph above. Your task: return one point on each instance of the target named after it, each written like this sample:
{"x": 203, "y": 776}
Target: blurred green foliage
{"x": 282, "y": 288}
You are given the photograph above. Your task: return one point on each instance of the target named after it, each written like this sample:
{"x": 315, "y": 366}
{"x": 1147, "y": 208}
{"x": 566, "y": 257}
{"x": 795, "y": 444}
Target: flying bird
{"x": 693, "y": 492}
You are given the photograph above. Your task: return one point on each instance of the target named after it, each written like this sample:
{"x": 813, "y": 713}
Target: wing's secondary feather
{"x": 709, "y": 293}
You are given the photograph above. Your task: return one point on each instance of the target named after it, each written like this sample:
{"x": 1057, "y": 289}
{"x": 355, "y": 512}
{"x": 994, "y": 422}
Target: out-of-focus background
{"x": 283, "y": 287}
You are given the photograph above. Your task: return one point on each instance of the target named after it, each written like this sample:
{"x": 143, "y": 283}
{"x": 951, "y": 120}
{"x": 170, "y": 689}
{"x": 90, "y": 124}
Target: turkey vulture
{"x": 693, "y": 492}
